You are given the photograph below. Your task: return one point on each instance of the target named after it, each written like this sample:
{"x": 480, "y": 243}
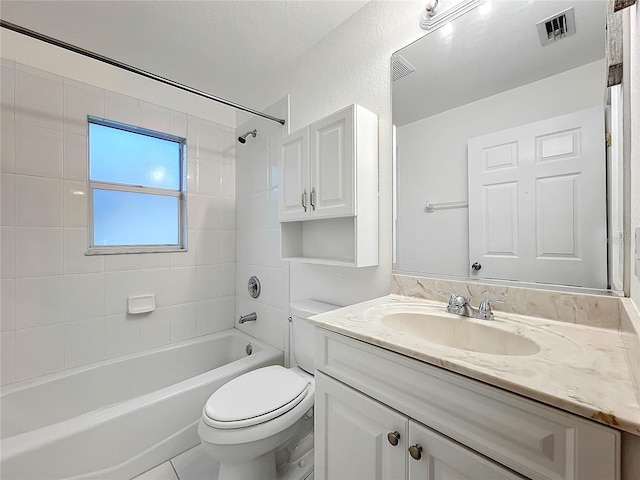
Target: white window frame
{"x": 180, "y": 194}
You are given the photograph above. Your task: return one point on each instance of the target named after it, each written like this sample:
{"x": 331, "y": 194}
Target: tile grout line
{"x": 174, "y": 468}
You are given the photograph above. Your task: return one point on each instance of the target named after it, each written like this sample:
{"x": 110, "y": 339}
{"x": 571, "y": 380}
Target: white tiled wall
{"x": 62, "y": 309}
{"x": 258, "y": 230}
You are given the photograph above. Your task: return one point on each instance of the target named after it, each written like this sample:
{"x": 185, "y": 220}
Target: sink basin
{"x": 460, "y": 333}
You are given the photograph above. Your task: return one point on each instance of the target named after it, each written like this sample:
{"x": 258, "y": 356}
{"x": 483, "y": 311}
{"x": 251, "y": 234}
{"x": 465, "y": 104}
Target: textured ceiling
{"x": 232, "y": 49}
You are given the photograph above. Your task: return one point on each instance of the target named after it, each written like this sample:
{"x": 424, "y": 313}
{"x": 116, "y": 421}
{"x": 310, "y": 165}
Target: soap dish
{"x": 141, "y": 304}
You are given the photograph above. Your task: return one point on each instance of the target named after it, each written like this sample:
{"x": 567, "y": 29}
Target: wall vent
{"x": 401, "y": 67}
{"x": 557, "y": 27}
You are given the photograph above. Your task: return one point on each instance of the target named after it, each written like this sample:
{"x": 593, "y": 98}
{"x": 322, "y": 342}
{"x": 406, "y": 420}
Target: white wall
{"x": 258, "y": 229}
{"x": 432, "y": 162}
{"x": 352, "y": 65}
{"x": 60, "y": 308}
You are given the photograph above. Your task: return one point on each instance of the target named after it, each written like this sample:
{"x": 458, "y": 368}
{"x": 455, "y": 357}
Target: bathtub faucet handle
{"x": 251, "y": 317}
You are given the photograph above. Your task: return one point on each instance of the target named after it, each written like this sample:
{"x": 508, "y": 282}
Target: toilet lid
{"x": 255, "y": 397}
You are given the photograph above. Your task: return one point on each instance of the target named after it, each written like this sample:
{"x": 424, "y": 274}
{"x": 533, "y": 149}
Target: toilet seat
{"x": 255, "y": 397}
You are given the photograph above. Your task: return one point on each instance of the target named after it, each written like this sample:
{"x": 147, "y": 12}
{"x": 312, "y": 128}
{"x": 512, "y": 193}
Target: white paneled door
{"x": 537, "y": 209}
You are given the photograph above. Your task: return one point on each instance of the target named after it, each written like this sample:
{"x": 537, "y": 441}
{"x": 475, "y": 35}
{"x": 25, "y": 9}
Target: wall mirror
{"x": 507, "y": 148}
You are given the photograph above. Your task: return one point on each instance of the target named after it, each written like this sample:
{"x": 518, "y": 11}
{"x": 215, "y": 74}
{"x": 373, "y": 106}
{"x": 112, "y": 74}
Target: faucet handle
{"x": 461, "y": 301}
{"x": 455, "y": 301}
{"x": 452, "y": 296}
{"x": 484, "y": 310}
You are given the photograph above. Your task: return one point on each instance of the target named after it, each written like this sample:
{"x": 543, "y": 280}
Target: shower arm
{"x": 101, "y": 58}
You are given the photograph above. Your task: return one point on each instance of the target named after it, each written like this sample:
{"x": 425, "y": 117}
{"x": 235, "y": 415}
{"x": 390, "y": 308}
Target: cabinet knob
{"x": 393, "y": 437}
{"x": 415, "y": 451}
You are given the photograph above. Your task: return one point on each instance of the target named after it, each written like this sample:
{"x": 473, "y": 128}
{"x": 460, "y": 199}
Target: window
{"x": 136, "y": 180}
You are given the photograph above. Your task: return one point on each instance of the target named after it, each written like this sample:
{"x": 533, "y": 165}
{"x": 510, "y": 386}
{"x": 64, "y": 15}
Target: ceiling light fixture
{"x": 434, "y": 16}
{"x": 430, "y": 8}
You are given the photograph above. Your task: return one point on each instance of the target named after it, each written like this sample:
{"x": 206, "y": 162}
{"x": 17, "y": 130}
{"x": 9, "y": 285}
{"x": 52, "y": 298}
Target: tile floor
{"x": 193, "y": 464}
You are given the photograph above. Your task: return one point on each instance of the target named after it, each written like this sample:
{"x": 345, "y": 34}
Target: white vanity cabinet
{"x": 328, "y": 203}
{"x": 465, "y": 428}
{"x": 360, "y": 438}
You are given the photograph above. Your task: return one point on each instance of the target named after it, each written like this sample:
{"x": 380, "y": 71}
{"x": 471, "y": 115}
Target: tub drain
{"x": 249, "y": 349}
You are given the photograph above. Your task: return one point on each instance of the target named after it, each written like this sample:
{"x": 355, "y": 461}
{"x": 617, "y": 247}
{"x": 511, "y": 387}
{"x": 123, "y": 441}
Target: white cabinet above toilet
{"x": 328, "y": 201}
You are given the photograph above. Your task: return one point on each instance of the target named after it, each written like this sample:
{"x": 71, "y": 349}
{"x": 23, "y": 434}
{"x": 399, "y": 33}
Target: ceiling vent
{"x": 401, "y": 67}
{"x": 557, "y": 27}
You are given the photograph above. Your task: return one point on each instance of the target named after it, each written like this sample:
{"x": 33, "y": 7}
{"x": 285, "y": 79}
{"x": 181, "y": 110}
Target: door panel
{"x": 557, "y": 216}
{"x": 501, "y": 156}
{"x": 501, "y": 219}
{"x": 536, "y": 201}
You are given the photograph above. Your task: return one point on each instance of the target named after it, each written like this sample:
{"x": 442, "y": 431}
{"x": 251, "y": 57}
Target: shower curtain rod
{"x": 129, "y": 68}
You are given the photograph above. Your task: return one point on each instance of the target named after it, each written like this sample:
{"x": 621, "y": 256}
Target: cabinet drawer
{"x": 536, "y": 440}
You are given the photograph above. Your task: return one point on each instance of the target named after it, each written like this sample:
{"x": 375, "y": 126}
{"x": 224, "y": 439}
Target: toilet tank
{"x": 302, "y": 333}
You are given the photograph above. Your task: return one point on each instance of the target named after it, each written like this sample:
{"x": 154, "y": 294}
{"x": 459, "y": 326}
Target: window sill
{"x": 134, "y": 250}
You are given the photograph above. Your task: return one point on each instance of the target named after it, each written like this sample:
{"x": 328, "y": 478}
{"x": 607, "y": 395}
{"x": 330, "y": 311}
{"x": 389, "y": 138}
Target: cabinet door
{"x": 442, "y": 458}
{"x": 294, "y": 177}
{"x": 351, "y": 436}
{"x": 332, "y": 163}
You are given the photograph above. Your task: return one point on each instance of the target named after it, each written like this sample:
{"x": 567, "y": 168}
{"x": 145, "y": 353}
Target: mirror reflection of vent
{"x": 401, "y": 67}
{"x": 557, "y": 27}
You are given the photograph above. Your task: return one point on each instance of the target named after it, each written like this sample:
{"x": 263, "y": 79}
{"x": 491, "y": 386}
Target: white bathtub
{"x": 117, "y": 419}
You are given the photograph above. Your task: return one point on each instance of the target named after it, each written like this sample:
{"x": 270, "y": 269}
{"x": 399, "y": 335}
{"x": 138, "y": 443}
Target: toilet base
{"x": 262, "y": 467}
{"x": 301, "y": 469}
{"x": 292, "y": 461}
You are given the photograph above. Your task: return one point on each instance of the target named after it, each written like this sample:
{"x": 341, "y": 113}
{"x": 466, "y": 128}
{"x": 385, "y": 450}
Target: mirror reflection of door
{"x": 535, "y": 201}
{"x": 492, "y": 72}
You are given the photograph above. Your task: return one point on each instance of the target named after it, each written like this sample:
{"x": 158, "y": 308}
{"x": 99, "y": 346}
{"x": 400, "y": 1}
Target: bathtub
{"x": 119, "y": 418}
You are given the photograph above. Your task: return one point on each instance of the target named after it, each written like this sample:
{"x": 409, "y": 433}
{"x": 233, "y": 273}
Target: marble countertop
{"x": 580, "y": 369}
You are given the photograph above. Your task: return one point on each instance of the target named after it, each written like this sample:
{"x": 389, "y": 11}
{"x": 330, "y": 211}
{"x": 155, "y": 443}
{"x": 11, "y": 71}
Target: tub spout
{"x": 252, "y": 317}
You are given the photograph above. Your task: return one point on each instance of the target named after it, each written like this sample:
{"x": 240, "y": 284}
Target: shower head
{"x": 243, "y": 138}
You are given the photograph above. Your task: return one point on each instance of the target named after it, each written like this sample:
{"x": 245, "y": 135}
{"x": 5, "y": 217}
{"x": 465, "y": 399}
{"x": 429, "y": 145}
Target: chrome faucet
{"x": 251, "y": 317}
{"x": 462, "y": 306}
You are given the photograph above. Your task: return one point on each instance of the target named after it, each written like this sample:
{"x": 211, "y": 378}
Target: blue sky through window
{"x": 119, "y": 156}
{"x": 128, "y": 162}
{"x": 127, "y": 218}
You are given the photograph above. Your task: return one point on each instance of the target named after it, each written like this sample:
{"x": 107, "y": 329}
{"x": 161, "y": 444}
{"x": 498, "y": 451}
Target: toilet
{"x": 261, "y": 422}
